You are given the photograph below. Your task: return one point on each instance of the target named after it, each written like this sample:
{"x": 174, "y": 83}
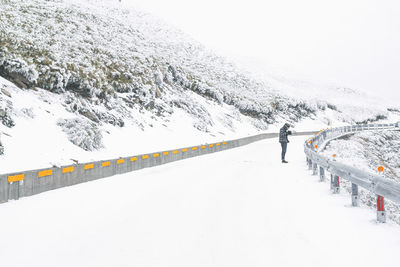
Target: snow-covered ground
{"x": 112, "y": 63}
{"x": 235, "y": 208}
{"x": 107, "y": 81}
{"x": 367, "y": 151}
{"x": 37, "y": 141}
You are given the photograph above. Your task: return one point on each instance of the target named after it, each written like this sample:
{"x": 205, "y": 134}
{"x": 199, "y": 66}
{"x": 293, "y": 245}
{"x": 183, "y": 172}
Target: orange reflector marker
{"x": 316, "y": 146}
{"x": 211, "y": 145}
{"x": 88, "y": 166}
{"x": 105, "y": 164}
{"x": 133, "y": 159}
{"x": 156, "y": 155}
{"x": 145, "y": 156}
{"x": 218, "y": 144}
{"x": 16, "y": 178}
{"x": 68, "y": 169}
{"x": 175, "y": 152}
{"x": 202, "y": 147}
{"x": 380, "y": 169}
{"x": 194, "y": 148}
{"x": 120, "y": 161}
{"x": 184, "y": 150}
{"x": 309, "y": 142}
{"x": 334, "y": 155}
{"x": 224, "y": 143}
{"x": 166, "y": 153}
{"x": 45, "y": 173}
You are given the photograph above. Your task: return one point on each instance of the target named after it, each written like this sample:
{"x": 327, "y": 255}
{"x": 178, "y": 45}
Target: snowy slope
{"x": 95, "y": 79}
{"x": 367, "y": 151}
{"x": 37, "y": 140}
{"x": 198, "y": 212}
{"x": 97, "y": 47}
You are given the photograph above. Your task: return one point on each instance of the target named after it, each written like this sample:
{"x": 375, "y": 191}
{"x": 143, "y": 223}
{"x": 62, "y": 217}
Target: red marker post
{"x": 380, "y": 203}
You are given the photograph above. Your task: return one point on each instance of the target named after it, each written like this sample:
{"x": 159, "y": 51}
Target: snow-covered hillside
{"x": 96, "y": 75}
{"x": 99, "y": 51}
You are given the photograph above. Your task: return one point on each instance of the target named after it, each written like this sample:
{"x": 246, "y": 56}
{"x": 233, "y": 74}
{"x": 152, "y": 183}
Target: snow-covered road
{"x": 235, "y": 208}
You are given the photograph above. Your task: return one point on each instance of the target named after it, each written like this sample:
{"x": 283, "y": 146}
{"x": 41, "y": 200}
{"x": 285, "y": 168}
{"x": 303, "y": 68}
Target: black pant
{"x": 284, "y": 148}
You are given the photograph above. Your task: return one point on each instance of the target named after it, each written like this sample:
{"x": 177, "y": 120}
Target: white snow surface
{"x": 56, "y": 37}
{"x": 367, "y": 151}
{"x": 239, "y": 207}
{"x": 36, "y": 141}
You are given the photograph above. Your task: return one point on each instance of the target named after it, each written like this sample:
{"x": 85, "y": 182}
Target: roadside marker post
{"x": 380, "y": 203}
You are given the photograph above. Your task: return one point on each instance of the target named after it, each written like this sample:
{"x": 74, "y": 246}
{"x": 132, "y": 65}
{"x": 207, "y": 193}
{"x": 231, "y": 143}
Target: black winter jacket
{"x": 283, "y": 135}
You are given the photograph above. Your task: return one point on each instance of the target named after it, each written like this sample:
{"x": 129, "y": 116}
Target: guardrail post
{"x": 321, "y": 174}
{"x": 315, "y": 168}
{"x": 354, "y": 195}
{"x": 336, "y": 185}
{"x": 381, "y": 213}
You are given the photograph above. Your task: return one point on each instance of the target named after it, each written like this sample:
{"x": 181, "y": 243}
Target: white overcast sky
{"x": 354, "y": 43}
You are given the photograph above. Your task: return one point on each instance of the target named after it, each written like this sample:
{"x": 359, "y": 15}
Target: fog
{"x": 351, "y": 43}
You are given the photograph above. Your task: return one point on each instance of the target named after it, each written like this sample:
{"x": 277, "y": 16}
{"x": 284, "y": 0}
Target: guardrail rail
{"x": 27, "y": 183}
{"x": 383, "y": 188}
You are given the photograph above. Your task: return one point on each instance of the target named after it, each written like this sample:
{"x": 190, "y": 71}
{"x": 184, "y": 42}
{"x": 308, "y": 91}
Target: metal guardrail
{"x": 383, "y": 188}
{"x": 27, "y": 183}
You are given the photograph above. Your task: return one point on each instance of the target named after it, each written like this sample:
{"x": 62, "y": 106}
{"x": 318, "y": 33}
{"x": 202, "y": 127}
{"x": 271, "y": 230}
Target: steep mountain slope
{"x": 95, "y": 71}
{"x": 61, "y": 47}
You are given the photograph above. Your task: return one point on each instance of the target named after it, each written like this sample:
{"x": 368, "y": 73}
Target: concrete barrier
{"x": 27, "y": 183}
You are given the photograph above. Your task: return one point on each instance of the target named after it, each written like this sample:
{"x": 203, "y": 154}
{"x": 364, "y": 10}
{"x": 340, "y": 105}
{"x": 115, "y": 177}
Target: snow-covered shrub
{"x": 82, "y": 133}
{"x": 18, "y": 71}
{"x": 202, "y": 119}
{"x": 6, "y": 111}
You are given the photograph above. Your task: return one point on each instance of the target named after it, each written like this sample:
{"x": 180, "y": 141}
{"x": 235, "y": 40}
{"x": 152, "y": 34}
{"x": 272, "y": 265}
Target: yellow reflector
{"x": 133, "y": 159}
{"x": 88, "y": 166}
{"x": 16, "y": 178}
{"x": 184, "y": 150}
{"x": 156, "y": 155}
{"x": 218, "y": 144}
{"x": 120, "y": 161}
{"x": 194, "y": 148}
{"x": 166, "y": 153}
{"x": 175, "y": 151}
{"x": 211, "y": 145}
{"x": 202, "y": 147}
{"x": 224, "y": 143}
{"x": 45, "y": 173}
{"x": 68, "y": 169}
{"x": 145, "y": 156}
{"x": 105, "y": 164}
